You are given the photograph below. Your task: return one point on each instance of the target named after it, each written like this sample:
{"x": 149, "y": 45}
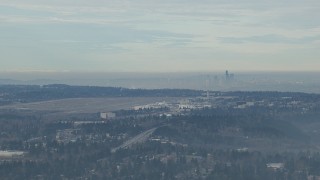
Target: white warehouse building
{"x": 107, "y": 115}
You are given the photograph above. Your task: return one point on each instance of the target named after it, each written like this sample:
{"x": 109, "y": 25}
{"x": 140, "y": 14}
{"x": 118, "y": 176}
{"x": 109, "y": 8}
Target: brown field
{"x": 86, "y": 105}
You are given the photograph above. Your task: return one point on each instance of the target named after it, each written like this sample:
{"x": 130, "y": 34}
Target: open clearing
{"x": 8, "y": 154}
{"x": 87, "y": 105}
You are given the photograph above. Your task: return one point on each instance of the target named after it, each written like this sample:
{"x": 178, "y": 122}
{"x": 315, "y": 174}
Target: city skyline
{"x": 159, "y": 36}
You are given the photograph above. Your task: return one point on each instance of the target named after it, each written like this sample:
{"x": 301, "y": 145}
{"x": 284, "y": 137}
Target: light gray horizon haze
{"x": 159, "y": 36}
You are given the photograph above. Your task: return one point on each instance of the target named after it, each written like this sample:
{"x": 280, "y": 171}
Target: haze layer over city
{"x": 212, "y": 81}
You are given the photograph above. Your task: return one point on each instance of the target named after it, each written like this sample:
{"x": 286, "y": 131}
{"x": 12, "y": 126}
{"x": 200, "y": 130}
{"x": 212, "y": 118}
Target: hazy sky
{"x": 159, "y": 35}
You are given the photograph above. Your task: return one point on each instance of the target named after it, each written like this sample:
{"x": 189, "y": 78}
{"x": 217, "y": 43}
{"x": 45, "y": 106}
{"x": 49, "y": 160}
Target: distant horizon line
{"x": 157, "y": 72}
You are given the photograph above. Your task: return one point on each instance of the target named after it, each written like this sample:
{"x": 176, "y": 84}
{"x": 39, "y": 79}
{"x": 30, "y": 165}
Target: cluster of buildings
{"x": 68, "y": 135}
{"x": 157, "y": 105}
{"x": 174, "y": 108}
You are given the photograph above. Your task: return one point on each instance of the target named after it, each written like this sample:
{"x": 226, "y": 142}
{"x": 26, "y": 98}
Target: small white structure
{"x": 107, "y": 115}
{"x": 275, "y": 166}
{"x": 136, "y": 108}
{"x": 186, "y": 106}
{"x": 243, "y": 149}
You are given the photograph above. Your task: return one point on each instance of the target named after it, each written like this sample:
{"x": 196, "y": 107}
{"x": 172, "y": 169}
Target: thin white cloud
{"x": 167, "y": 29}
